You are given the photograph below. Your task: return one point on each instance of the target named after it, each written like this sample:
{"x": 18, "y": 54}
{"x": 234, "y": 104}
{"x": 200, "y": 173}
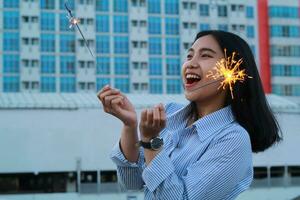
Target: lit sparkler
{"x": 229, "y": 70}
{"x": 74, "y": 22}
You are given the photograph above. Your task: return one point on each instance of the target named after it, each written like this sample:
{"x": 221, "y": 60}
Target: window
{"x": 155, "y": 66}
{"x": 173, "y": 66}
{"x": 121, "y": 45}
{"x": 11, "y": 20}
{"x": 121, "y": 65}
{"x": 204, "y": 10}
{"x": 156, "y": 86}
{"x": 249, "y": 12}
{"x": 108, "y": 176}
{"x": 204, "y": 27}
{"x": 172, "y": 26}
{"x": 172, "y": 46}
{"x": 11, "y": 63}
{"x": 154, "y": 25}
{"x": 11, "y": 83}
{"x": 171, "y": 7}
{"x": 120, "y": 6}
{"x": 67, "y": 64}
{"x": 47, "y": 4}
{"x": 11, "y": 41}
{"x": 260, "y": 172}
{"x": 47, "y": 43}
{"x": 222, "y": 10}
{"x": 283, "y": 11}
{"x": 67, "y": 43}
{"x": 102, "y": 23}
{"x": 102, "y": 5}
{"x": 122, "y": 84}
{"x": 48, "y": 84}
{"x": 120, "y": 24}
{"x": 103, "y": 65}
{"x": 70, "y": 3}
{"x": 154, "y": 45}
{"x": 285, "y": 50}
{"x": 101, "y": 82}
{"x": 68, "y": 84}
{"x": 102, "y": 44}
{"x": 11, "y": 4}
{"x": 48, "y": 64}
{"x": 173, "y": 86}
{"x": 47, "y": 21}
{"x": 250, "y": 31}
{"x": 64, "y": 23}
{"x": 223, "y": 27}
{"x": 154, "y": 6}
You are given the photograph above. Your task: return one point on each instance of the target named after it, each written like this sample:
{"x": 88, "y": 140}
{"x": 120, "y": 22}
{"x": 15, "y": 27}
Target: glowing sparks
{"x": 73, "y": 21}
{"x": 229, "y": 70}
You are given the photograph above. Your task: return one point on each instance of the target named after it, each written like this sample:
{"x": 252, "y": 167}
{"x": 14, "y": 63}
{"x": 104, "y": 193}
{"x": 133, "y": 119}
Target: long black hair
{"x": 249, "y": 105}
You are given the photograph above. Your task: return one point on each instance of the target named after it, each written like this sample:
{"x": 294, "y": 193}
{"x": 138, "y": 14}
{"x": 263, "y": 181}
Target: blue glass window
{"x": 250, "y": 31}
{"x": 102, "y": 23}
{"x": 68, "y": 84}
{"x": 67, "y": 43}
{"x": 101, "y": 82}
{"x": 47, "y": 42}
{"x": 204, "y": 10}
{"x": 121, "y": 65}
{"x": 154, "y": 6}
{"x": 70, "y": 4}
{"x": 102, "y": 44}
{"x": 249, "y": 12}
{"x": 48, "y": 21}
{"x": 154, "y": 25}
{"x": 47, "y": 4}
{"x": 102, "y": 5}
{"x": 156, "y": 86}
{"x": 222, "y": 10}
{"x": 64, "y": 23}
{"x": 67, "y": 64}
{"x": 11, "y": 20}
{"x": 103, "y": 65}
{"x": 171, "y": 7}
{"x": 204, "y": 27}
{"x": 222, "y": 27}
{"x": 283, "y": 11}
{"x": 172, "y": 26}
{"x": 11, "y": 3}
{"x": 11, "y": 63}
{"x": 172, "y": 46}
{"x": 174, "y": 86}
{"x": 48, "y": 64}
{"x": 120, "y": 6}
{"x": 11, "y": 83}
{"x": 48, "y": 84}
{"x": 121, "y": 45}
{"x": 122, "y": 84}
{"x": 173, "y": 66}
{"x": 155, "y": 66}
{"x": 154, "y": 45}
{"x": 11, "y": 41}
{"x": 121, "y": 24}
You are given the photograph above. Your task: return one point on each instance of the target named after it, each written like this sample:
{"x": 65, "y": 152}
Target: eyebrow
{"x": 202, "y": 49}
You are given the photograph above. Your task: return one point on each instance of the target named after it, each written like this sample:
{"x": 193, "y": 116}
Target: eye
{"x": 189, "y": 56}
{"x": 206, "y": 56}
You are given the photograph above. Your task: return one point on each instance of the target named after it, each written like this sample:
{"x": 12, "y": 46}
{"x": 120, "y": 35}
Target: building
{"x": 139, "y": 45}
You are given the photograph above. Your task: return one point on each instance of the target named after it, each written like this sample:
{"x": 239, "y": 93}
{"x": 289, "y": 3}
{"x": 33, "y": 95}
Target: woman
{"x": 202, "y": 150}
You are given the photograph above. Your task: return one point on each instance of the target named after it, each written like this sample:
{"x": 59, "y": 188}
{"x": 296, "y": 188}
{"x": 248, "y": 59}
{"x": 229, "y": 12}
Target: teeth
{"x": 193, "y": 76}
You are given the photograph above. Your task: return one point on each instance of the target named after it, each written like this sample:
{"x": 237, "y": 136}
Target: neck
{"x": 209, "y": 106}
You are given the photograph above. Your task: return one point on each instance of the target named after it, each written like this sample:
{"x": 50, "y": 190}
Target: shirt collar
{"x": 204, "y": 126}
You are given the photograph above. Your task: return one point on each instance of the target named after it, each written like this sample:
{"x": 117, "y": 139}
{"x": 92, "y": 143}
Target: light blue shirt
{"x": 211, "y": 159}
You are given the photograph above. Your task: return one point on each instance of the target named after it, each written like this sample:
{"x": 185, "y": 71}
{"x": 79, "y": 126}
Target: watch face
{"x": 156, "y": 143}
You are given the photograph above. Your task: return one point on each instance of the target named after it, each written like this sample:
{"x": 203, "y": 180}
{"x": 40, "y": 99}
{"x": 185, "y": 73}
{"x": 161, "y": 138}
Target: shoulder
{"x": 173, "y": 107}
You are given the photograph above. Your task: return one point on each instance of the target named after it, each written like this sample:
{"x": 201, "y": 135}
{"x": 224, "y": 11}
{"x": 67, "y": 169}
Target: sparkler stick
{"x": 74, "y": 22}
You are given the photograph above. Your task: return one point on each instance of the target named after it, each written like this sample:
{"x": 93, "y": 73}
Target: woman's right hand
{"x": 117, "y": 104}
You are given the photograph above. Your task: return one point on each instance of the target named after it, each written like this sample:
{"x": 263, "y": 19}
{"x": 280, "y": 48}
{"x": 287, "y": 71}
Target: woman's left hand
{"x": 153, "y": 120}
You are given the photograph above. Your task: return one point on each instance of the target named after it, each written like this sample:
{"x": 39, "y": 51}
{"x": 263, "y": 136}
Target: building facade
{"x": 139, "y": 45}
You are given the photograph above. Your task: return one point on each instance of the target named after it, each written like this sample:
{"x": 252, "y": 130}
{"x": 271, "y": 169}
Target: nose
{"x": 192, "y": 64}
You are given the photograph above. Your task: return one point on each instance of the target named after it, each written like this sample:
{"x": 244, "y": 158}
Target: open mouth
{"x": 192, "y": 78}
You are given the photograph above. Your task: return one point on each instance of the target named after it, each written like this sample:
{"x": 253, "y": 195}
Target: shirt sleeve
{"x": 129, "y": 173}
{"x": 223, "y": 171}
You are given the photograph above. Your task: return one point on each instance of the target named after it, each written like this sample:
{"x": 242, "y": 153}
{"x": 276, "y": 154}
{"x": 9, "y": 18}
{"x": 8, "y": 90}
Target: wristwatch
{"x": 154, "y": 144}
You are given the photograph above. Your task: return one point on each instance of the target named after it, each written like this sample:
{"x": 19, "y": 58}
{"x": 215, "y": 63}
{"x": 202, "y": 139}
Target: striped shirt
{"x": 211, "y": 159}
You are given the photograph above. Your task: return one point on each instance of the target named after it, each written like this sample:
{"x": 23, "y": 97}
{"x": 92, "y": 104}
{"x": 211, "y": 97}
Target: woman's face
{"x": 202, "y": 58}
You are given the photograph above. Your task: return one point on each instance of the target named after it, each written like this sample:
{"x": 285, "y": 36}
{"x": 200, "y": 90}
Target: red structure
{"x": 264, "y": 44}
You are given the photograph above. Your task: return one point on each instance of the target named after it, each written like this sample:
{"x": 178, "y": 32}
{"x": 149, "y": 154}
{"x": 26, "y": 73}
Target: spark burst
{"x": 228, "y": 69}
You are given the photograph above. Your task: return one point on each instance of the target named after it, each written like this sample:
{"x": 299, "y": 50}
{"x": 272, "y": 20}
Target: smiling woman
{"x": 202, "y": 150}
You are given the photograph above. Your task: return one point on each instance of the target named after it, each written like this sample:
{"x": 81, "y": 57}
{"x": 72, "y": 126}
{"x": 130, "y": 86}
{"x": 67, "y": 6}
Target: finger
{"x": 116, "y": 102}
{"x": 149, "y": 117}
{"x": 143, "y": 117}
{"x": 163, "y": 119}
{"x": 108, "y": 99}
{"x": 108, "y": 92}
{"x": 156, "y": 117}
{"x": 106, "y": 87}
